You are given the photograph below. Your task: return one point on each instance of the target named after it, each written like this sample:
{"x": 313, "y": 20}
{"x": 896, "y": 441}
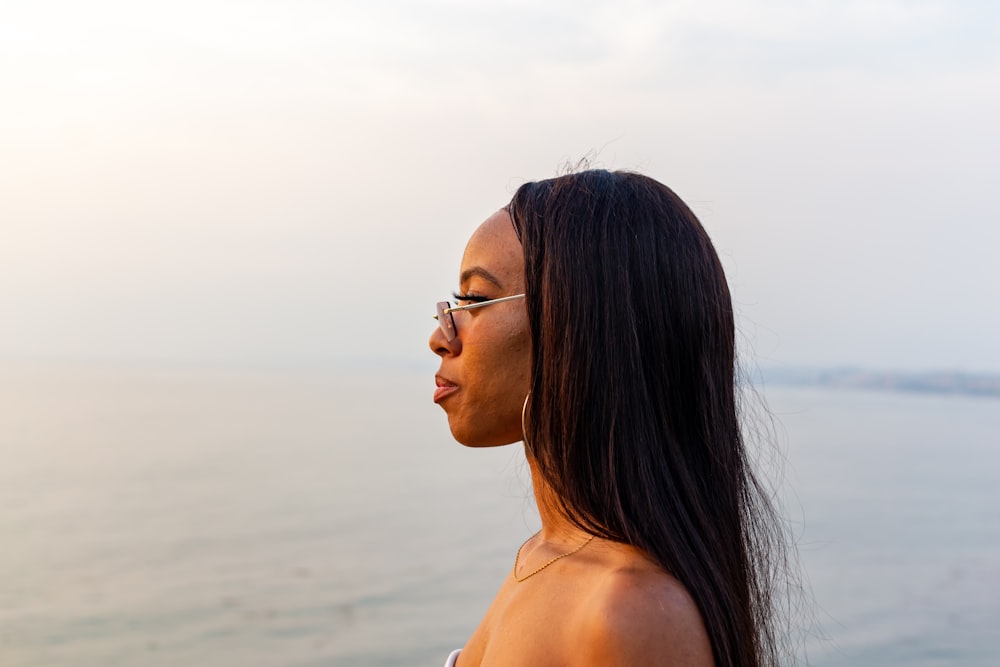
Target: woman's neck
{"x": 556, "y": 528}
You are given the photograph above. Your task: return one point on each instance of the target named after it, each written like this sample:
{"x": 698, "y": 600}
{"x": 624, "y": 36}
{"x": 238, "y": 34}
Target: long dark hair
{"x": 632, "y": 416}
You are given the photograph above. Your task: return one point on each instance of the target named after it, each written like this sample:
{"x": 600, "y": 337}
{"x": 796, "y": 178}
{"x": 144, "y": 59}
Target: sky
{"x": 292, "y": 183}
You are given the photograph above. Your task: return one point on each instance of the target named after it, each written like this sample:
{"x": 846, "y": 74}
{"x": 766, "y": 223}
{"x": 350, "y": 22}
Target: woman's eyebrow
{"x": 482, "y": 273}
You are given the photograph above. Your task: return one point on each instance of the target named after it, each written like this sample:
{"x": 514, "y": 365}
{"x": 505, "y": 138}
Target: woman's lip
{"x": 440, "y": 392}
{"x": 443, "y": 388}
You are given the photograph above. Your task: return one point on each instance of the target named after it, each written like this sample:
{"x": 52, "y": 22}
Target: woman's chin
{"x": 478, "y": 439}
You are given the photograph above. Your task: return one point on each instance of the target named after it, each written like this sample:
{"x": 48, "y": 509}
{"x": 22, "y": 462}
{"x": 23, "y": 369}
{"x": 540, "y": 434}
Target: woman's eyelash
{"x": 468, "y": 297}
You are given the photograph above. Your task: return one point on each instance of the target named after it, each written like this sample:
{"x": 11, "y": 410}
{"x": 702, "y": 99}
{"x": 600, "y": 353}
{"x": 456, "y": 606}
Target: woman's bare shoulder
{"x": 642, "y": 616}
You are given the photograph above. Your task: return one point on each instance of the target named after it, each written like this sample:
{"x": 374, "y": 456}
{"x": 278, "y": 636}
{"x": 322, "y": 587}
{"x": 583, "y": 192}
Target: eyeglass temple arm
{"x": 480, "y": 304}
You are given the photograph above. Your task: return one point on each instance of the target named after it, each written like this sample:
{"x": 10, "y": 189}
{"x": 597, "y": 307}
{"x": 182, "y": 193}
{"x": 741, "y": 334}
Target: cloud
{"x": 182, "y": 173}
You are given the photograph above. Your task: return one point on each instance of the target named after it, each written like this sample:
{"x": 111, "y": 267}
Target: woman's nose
{"x": 441, "y": 346}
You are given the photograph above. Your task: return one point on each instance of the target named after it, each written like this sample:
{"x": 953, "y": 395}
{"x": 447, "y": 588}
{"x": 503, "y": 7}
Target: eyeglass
{"x": 447, "y": 322}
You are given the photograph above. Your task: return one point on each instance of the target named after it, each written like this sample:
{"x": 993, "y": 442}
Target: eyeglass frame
{"x": 447, "y": 324}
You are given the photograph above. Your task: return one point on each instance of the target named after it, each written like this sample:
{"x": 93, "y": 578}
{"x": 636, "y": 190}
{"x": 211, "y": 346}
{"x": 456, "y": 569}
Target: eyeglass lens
{"x": 445, "y": 320}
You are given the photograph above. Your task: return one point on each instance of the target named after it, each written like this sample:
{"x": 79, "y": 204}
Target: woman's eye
{"x": 465, "y": 299}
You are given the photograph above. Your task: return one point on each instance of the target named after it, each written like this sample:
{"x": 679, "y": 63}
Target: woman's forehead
{"x": 494, "y": 250}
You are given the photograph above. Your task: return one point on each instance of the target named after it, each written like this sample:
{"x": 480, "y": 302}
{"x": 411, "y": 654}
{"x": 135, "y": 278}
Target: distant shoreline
{"x": 936, "y": 382}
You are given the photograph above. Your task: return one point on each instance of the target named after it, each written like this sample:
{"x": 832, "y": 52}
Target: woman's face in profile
{"x": 485, "y": 369}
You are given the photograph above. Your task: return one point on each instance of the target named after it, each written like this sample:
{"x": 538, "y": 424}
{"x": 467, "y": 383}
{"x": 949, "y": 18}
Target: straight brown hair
{"x": 632, "y": 416}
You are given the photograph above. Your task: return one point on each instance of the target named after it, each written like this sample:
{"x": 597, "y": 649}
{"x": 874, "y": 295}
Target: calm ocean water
{"x": 305, "y": 520}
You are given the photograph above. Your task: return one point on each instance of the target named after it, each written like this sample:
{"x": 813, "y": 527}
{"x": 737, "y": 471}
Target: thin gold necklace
{"x": 517, "y": 558}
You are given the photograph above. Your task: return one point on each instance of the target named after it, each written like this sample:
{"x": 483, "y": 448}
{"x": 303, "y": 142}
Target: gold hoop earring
{"x": 524, "y": 430}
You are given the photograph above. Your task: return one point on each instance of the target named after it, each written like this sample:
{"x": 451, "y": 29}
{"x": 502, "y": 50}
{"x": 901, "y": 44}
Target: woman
{"x": 594, "y": 323}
